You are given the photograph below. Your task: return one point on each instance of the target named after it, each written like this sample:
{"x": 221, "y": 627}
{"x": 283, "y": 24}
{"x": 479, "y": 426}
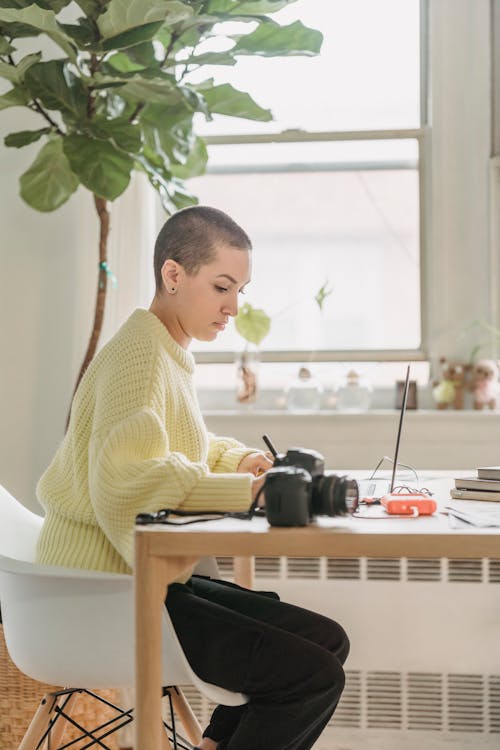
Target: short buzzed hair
{"x": 190, "y": 237}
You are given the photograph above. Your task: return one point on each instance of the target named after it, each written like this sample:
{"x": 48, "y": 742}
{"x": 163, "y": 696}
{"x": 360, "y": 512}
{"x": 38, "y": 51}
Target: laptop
{"x": 377, "y": 485}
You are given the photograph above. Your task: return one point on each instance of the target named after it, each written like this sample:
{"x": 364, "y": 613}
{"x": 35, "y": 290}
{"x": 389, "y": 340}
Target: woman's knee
{"x": 334, "y": 682}
{"x": 344, "y": 646}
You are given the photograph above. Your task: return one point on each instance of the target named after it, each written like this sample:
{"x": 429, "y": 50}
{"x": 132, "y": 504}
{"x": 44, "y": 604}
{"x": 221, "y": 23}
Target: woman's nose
{"x": 231, "y": 306}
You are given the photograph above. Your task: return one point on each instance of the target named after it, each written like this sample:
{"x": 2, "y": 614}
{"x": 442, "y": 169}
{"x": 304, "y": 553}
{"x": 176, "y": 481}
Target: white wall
{"x": 48, "y": 277}
{"x": 44, "y": 313}
{"x": 48, "y": 262}
{"x": 458, "y": 265}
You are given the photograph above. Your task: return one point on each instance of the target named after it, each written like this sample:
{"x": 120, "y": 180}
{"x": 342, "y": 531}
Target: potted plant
{"x": 253, "y": 325}
{"x": 118, "y": 98}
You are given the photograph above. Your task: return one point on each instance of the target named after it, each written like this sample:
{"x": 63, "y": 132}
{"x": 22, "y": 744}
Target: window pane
{"x": 366, "y": 77}
{"x": 356, "y": 230}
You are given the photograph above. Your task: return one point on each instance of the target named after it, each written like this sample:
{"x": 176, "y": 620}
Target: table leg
{"x": 152, "y": 576}
{"x": 244, "y": 571}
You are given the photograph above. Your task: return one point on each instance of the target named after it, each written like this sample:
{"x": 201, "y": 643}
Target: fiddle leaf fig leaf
{"x": 123, "y": 15}
{"x": 99, "y": 166}
{"x": 195, "y": 164}
{"x": 5, "y": 46}
{"x": 173, "y": 194}
{"x": 57, "y": 88}
{"x": 272, "y": 40}
{"x": 91, "y": 7}
{"x": 211, "y": 58}
{"x": 16, "y": 97}
{"x": 131, "y": 37}
{"x": 253, "y": 324}
{"x": 25, "y": 137}
{"x": 252, "y": 7}
{"x": 15, "y": 73}
{"x": 226, "y": 100}
{"x": 42, "y": 21}
{"x": 125, "y": 135}
{"x": 49, "y": 182}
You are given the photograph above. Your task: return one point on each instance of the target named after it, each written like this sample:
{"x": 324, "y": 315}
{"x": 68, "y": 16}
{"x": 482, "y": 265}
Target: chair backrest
{"x": 19, "y": 528}
{"x": 72, "y": 627}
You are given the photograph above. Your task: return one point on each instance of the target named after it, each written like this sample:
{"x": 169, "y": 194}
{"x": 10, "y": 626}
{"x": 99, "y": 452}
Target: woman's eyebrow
{"x": 226, "y": 276}
{"x": 230, "y": 278}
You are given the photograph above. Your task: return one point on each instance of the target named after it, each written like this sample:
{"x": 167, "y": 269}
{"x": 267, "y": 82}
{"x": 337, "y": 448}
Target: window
{"x": 331, "y": 191}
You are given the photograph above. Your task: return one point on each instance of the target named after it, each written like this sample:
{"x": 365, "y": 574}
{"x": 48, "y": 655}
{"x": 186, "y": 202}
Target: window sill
{"x": 431, "y": 438}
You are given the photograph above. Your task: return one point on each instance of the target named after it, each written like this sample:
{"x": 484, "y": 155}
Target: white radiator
{"x": 424, "y": 667}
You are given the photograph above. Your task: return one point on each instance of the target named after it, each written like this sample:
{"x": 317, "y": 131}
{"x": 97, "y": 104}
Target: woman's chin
{"x": 206, "y": 336}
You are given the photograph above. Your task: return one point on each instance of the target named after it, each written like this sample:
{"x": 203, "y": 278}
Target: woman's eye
{"x": 242, "y": 291}
{"x": 221, "y": 288}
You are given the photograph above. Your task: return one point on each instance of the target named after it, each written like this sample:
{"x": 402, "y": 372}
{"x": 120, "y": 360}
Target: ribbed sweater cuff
{"x": 228, "y": 492}
{"x": 230, "y": 460}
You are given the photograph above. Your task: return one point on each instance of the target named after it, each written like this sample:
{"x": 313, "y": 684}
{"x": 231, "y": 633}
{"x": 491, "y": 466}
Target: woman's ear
{"x": 170, "y": 275}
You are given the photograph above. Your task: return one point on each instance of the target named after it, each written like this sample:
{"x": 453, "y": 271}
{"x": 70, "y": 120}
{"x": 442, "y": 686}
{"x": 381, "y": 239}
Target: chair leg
{"x": 164, "y": 741}
{"x": 186, "y": 715}
{"x": 57, "y": 732}
{"x": 39, "y": 723}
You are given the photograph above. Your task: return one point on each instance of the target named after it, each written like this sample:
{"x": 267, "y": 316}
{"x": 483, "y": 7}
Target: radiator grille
{"x": 417, "y": 701}
{"x": 494, "y": 571}
{"x": 268, "y": 567}
{"x": 383, "y": 700}
{"x": 226, "y": 567}
{"x": 425, "y": 701}
{"x": 465, "y": 703}
{"x": 371, "y": 569}
{"x": 303, "y": 567}
{"x": 465, "y": 571}
{"x": 348, "y": 713}
{"x": 383, "y": 570}
{"x": 346, "y": 569}
{"x": 494, "y": 703}
{"x": 423, "y": 570}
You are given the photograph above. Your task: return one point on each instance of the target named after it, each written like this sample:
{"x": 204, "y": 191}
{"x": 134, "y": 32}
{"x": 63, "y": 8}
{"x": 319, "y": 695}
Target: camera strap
{"x": 173, "y": 517}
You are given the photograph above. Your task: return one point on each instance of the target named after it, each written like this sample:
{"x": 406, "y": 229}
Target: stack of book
{"x": 486, "y": 486}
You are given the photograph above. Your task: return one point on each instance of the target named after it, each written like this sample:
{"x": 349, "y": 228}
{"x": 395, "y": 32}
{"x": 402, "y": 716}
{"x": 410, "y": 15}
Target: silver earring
{"x": 172, "y": 290}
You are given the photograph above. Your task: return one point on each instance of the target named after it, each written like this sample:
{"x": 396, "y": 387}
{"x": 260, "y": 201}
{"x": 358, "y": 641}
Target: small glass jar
{"x": 355, "y": 394}
{"x": 304, "y": 392}
{"x": 247, "y": 365}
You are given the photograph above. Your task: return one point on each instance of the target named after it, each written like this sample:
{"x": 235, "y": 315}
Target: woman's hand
{"x": 256, "y": 486}
{"x": 255, "y": 463}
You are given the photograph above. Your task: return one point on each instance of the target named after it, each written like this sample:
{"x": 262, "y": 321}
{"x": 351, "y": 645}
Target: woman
{"x": 136, "y": 442}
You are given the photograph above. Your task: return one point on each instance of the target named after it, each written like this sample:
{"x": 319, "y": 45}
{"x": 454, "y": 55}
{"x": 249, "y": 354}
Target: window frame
{"x": 421, "y": 135}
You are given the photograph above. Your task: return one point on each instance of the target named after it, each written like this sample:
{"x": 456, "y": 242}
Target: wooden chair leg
{"x": 165, "y": 744}
{"x": 39, "y": 723}
{"x": 186, "y": 715}
{"x": 61, "y": 724}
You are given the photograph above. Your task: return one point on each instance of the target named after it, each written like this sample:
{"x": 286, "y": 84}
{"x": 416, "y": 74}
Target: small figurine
{"x": 449, "y": 391}
{"x": 485, "y": 383}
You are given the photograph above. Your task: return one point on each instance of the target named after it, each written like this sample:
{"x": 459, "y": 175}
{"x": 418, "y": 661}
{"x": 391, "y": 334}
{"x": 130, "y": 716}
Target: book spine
{"x": 484, "y": 474}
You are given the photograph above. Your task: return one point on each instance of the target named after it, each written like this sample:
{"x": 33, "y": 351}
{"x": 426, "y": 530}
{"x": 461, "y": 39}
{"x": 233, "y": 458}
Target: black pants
{"x": 286, "y": 659}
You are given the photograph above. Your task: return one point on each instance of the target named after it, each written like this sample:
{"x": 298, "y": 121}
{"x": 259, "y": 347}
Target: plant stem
{"x": 37, "y": 107}
{"x": 102, "y": 279}
{"x": 136, "y": 111}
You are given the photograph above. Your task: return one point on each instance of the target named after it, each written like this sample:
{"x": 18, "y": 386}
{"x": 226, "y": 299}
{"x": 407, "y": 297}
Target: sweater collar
{"x": 184, "y": 358}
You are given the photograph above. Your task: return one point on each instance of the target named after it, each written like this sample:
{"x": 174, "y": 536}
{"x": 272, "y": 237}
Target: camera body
{"x": 298, "y": 488}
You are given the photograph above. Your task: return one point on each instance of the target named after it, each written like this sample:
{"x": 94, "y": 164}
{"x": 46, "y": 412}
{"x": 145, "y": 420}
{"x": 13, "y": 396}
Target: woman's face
{"x": 204, "y": 302}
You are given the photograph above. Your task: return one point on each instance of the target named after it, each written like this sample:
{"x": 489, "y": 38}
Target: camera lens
{"x": 287, "y": 490}
{"x": 334, "y": 495}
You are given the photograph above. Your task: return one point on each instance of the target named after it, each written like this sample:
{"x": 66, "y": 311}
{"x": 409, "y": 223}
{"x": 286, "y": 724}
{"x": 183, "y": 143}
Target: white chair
{"x": 72, "y": 627}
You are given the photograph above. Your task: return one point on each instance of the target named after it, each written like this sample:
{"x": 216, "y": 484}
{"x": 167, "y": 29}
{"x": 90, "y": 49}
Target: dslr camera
{"x": 298, "y": 488}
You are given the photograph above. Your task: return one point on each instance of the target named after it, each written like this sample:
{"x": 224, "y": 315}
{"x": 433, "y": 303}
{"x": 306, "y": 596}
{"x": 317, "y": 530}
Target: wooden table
{"x": 165, "y": 552}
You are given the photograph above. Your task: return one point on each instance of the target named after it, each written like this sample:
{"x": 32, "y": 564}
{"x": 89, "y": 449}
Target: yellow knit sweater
{"x": 136, "y": 442}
